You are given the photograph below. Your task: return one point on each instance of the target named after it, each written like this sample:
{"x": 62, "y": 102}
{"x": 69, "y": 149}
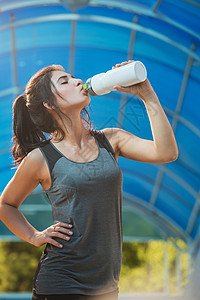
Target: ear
{"x": 46, "y": 105}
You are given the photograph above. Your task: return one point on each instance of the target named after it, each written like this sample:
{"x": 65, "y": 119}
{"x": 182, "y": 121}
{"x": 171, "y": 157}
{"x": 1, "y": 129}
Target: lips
{"x": 82, "y": 90}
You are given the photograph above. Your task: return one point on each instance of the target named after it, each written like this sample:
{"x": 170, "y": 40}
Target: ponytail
{"x": 26, "y": 135}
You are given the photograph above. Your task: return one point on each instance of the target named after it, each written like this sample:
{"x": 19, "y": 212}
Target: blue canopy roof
{"x": 89, "y": 37}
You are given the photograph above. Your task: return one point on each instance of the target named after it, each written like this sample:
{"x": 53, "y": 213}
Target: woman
{"x": 77, "y": 167}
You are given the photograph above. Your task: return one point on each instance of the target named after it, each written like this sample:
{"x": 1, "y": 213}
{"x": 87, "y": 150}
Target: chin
{"x": 87, "y": 101}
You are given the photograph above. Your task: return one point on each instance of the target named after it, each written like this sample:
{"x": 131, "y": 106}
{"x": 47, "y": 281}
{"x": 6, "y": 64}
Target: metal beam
{"x": 6, "y": 92}
{"x": 196, "y": 247}
{"x": 156, "y": 5}
{"x": 183, "y": 88}
{"x": 14, "y": 57}
{"x": 9, "y": 238}
{"x": 194, "y": 215}
{"x": 181, "y": 182}
{"x": 195, "y": 210}
{"x": 163, "y": 169}
{"x": 105, "y": 20}
{"x": 27, "y": 3}
{"x": 157, "y": 184}
{"x": 169, "y": 191}
{"x": 132, "y": 39}
{"x": 72, "y": 47}
{"x": 166, "y": 270}
{"x": 142, "y": 10}
{"x": 184, "y": 121}
{"x": 193, "y": 2}
{"x": 130, "y": 54}
{"x": 75, "y": 4}
{"x": 178, "y": 273}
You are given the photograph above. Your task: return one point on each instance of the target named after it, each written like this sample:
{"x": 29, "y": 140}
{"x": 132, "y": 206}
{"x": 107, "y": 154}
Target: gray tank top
{"x": 89, "y": 196}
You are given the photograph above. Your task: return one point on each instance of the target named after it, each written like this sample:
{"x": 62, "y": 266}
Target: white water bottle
{"x": 129, "y": 74}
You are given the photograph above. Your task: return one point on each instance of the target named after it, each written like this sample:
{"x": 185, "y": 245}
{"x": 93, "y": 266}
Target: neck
{"x": 75, "y": 133}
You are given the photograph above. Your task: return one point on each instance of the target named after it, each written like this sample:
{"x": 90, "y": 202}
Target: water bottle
{"x": 129, "y": 74}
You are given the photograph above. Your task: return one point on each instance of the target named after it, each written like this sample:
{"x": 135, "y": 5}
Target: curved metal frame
{"x": 134, "y": 8}
{"x": 105, "y": 20}
{"x": 156, "y": 216}
{"x": 93, "y": 18}
{"x": 149, "y": 12}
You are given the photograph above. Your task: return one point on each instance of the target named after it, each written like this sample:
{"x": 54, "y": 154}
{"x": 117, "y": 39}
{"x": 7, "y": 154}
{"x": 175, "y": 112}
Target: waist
{"x": 106, "y": 296}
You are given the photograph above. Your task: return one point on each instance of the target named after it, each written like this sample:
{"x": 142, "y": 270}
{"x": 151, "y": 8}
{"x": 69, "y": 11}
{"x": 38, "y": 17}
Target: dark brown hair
{"x": 31, "y": 120}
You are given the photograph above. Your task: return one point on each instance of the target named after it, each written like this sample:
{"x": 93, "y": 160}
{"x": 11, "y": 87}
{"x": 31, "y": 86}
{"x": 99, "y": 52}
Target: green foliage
{"x": 146, "y": 275}
{"x": 142, "y": 266}
{"x": 18, "y": 263}
{"x": 133, "y": 255}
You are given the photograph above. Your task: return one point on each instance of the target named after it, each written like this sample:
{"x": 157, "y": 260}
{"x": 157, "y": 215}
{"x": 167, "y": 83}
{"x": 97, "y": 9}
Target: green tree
{"x": 143, "y": 269}
{"x": 142, "y": 266}
{"x": 18, "y": 263}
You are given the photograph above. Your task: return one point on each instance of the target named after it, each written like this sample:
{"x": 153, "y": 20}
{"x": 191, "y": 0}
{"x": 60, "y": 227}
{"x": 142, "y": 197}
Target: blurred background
{"x": 161, "y": 202}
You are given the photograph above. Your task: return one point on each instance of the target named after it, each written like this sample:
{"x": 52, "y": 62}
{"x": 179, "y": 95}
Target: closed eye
{"x": 66, "y": 79}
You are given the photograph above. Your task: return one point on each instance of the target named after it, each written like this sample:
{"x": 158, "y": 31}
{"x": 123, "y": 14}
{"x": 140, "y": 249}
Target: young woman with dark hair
{"x": 55, "y": 146}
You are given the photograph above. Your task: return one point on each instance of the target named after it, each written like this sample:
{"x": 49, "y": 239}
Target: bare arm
{"x": 163, "y": 148}
{"x": 27, "y": 177}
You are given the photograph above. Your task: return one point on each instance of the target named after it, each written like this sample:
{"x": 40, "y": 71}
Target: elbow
{"x": 172, "y": 156}
{"x": 1, "y": 209}
{"x": 175, "y": 155}
{"x": 169, "y": 155}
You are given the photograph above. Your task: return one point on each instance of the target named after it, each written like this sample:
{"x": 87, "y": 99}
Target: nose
{"x": 78, "y": 82}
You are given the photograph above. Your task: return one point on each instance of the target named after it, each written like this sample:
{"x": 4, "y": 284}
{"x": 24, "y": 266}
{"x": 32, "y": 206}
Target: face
{"x": 70, "y": 89}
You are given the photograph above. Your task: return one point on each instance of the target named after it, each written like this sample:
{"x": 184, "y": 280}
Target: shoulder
{"x": 35, "y": 156}
{"x": 117, "y": 134}
{"x": 112, "y": 134}
{"x": 33, "y": 162}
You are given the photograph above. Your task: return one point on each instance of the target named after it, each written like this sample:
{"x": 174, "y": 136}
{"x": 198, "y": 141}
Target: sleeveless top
{"x": 87, "y": 195}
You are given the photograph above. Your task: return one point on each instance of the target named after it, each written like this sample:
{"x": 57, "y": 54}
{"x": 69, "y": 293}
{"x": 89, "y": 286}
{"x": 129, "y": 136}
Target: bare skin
{"x": 34, "y": 170}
